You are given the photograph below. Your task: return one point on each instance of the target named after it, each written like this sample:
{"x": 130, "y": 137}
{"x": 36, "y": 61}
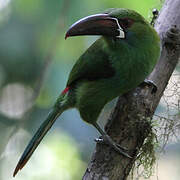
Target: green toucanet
{"x": 117, "y": 62}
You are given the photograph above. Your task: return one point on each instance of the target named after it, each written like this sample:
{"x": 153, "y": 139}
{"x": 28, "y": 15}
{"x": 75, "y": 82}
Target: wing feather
{"x": 92, "y": 65}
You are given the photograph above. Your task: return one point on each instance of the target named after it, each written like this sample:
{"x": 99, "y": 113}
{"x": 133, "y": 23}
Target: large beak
{"x": 98, "y": 24}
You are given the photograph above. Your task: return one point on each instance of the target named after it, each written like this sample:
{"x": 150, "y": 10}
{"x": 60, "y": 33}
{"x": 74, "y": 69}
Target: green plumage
{"x": 110, "y": 67}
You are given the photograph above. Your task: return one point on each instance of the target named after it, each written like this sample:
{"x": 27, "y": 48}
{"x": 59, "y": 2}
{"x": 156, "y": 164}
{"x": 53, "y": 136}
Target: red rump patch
{"x": 65, "y": 90}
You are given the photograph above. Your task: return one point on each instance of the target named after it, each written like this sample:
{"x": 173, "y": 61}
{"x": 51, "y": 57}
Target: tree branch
{"x": 130, "y": 121}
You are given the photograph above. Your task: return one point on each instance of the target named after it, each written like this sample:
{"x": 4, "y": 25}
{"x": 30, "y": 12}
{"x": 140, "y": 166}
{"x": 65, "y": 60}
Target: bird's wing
{"x": 92, "y": 65}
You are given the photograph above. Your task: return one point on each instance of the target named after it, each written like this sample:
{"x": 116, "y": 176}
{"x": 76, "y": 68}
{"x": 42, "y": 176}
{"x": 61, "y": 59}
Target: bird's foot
{"x": 108, "y": 141}
{"x": 100, "y": 140}
{"x": 151, "y": 84}
{"x": 155, "y": 14}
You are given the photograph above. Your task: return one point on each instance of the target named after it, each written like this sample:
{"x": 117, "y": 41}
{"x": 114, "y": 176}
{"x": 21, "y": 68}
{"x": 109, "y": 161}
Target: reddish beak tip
{"x": 66, "y": 36}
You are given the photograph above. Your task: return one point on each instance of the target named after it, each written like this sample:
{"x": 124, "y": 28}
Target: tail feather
{"x": 41, "y": 132}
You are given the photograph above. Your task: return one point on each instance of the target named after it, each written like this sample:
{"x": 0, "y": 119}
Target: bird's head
{"x": 115, "y": 23}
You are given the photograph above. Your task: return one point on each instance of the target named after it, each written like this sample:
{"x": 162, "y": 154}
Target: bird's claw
{"x": 100, "y": 140}
{"x": 150, "y": 83}
{"x": 108, "y": 141}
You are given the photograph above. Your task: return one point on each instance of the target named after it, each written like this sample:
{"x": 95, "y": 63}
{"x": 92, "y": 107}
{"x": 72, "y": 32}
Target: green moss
{"x": 145, "y": 162}
{"x": 146, "y": 158}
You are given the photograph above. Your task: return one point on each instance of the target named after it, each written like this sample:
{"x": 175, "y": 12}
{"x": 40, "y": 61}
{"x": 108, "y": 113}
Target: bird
{"x": 121, "y": 59}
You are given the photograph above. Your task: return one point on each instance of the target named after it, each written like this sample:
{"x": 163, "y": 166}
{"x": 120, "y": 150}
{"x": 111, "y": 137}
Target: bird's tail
{"x": 41, "y": 132}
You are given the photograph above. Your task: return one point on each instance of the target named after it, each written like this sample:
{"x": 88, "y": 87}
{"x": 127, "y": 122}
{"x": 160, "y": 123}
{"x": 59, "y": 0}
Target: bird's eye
{"x": 126, "y": 22}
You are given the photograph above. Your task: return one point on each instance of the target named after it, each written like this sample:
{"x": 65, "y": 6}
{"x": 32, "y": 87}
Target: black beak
{"x": 98, "y": 24}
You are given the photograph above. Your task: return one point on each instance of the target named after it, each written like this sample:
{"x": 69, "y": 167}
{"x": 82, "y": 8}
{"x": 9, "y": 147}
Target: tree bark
{"x": 129, "y": 123}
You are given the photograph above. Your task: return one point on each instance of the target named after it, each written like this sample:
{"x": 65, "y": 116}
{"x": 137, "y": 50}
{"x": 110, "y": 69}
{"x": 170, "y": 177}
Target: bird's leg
{"x": 100, "y": 140}
{"x": 107, "y": 140}
{"x": 150, "y": 83}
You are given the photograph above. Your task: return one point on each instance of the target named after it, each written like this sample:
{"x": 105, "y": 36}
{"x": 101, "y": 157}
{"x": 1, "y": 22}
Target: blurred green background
{"x": 35, "y": 61}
